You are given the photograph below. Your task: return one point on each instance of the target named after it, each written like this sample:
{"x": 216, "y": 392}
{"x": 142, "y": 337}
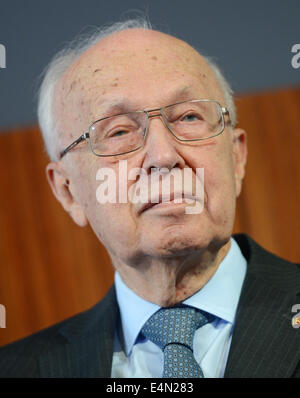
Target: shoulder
{"x": 22, "y": 354}
{"x": 268, "y": 266}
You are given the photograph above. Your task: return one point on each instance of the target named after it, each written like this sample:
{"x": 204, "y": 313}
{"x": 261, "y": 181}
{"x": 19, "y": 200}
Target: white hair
{"x": 67, "y": 56}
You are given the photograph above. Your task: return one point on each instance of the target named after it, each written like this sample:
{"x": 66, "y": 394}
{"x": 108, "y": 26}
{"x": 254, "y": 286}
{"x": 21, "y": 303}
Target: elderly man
{"x": 189, "y": 299}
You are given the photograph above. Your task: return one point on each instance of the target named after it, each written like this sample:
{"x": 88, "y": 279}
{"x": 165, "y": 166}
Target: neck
{"x": 167, "y": 282}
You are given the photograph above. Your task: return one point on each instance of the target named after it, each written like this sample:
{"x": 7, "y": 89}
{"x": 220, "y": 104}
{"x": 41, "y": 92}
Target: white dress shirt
{"x": 219, "y": 297}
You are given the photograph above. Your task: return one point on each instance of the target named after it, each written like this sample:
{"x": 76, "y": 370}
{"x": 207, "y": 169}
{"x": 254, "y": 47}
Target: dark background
{"x": 251, "y": 40}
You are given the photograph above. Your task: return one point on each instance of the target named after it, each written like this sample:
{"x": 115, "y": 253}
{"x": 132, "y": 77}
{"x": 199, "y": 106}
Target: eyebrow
{"x": 181, "y": 93}
{"x": 125, "y": 105}
{"x": 111, "y": 108}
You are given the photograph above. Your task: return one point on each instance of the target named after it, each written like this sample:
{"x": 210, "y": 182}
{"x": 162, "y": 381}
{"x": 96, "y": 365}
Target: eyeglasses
{"x": 187, "y": 121}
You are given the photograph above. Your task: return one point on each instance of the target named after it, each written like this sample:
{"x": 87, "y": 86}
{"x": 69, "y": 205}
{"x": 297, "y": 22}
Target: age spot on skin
{"x": 71, "y": 87}
{"x": 97, "y": 70}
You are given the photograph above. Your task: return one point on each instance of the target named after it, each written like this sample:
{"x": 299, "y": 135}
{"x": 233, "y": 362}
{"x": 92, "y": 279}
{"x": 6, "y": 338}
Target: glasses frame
{"x": 156, "y": 112}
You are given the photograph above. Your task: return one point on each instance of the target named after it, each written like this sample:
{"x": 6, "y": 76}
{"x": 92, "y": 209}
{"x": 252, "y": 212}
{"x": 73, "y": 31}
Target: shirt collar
{"x": 219, "y": 296}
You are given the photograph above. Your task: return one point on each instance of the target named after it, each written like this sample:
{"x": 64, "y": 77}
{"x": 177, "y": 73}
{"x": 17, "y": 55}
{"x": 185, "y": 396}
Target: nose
{"x": 161, "y": 146}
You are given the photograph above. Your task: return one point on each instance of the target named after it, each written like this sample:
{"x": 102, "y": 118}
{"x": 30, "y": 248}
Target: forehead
{"x": 143, "y": 68}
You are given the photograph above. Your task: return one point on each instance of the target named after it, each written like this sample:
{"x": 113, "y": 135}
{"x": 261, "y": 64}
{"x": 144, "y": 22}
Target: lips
{"x": 168, "y": 191}
{"x": 166, "y": 199}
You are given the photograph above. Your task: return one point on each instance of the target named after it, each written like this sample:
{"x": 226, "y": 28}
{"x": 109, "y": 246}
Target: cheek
{"x": 114, "y": 223}
{"x": 84, "y": 178}
{"x": 219, "y": 181}
{"x": 114, "y": 227}
{"x": 221, "y": 198}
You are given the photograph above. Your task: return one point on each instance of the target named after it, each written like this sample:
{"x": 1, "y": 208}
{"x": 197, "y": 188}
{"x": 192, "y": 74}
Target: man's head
{"x": 141, "y": 69}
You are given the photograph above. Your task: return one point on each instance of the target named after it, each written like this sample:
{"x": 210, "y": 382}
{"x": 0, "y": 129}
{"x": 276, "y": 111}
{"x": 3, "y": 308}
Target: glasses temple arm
{"x": 83, "y": 137}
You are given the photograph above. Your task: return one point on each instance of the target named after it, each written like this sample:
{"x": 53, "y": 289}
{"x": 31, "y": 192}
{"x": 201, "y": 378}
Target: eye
{"x": 118, "y": 133}
{"x": 191, "y": 117}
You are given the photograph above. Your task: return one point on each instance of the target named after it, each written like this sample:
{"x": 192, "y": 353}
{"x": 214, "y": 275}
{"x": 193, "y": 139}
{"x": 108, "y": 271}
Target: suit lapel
{"x": 88, "y": 342}
{"x": 264, "y": 343}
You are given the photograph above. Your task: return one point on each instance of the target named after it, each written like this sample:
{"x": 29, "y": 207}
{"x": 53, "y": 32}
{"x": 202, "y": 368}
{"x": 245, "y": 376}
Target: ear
{"x": 61, "y": 188}
{"x": 239, "y": 144}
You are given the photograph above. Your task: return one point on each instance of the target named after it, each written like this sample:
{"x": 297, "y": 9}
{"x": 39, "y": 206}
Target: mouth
{"x": 171, "y": 202}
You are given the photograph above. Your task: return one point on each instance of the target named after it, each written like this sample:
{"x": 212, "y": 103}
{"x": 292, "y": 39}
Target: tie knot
{"x": 174, "y": 325}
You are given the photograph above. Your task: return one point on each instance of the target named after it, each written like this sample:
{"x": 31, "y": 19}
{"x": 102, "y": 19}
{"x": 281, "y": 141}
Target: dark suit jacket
{"x": 264, "y": 343}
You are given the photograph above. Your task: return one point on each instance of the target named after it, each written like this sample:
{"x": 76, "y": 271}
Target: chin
{"x": 180, "y": 240}
{"x": 174, "y": 243}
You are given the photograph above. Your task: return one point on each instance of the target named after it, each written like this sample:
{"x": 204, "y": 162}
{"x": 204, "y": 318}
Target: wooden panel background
{"x": 51, "y": 269}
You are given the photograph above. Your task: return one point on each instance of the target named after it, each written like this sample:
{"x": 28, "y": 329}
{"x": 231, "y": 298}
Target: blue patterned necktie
{"x": 173, "y": 330}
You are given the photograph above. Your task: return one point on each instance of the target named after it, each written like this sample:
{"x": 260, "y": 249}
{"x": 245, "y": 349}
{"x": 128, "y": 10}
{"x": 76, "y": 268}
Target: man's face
{"x": 144, "y": 70}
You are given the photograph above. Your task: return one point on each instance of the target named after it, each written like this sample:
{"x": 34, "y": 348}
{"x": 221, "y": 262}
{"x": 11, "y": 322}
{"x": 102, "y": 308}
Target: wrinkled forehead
{"x": 145, "y": 67}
